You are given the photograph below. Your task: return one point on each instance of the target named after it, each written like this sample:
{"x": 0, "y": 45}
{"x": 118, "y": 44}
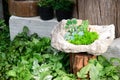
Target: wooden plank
{"x": 92, "y": 12}
{"x": 81, "y": 9}
{"x": 118, "y": 19}
{"x": 75, "y": 13}
{"x": 100, "y": 12}
{"x": 1, "y": 9}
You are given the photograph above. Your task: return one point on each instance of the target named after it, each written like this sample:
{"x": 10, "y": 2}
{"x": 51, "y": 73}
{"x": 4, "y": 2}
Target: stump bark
{"x": 79, "y": 60}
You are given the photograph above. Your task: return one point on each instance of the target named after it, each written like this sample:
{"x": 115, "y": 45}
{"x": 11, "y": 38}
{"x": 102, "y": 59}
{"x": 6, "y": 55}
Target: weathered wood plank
{"x": 75, "y": 13}
{"x": 118, "y": 19}
{"x": 100, "y": 12}
{"x": 81, "y": 9}
{"x": 1, "y": 9}
{"x": 92, "y": 12}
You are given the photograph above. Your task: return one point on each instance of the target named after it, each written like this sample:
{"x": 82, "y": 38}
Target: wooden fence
{"x": 99, "y": 12}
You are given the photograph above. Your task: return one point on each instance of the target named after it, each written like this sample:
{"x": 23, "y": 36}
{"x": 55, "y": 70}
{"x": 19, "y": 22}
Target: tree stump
{"x": 100, "y": 12}
{"x": 23, "y": 8}
{"x": 79, "y": 60}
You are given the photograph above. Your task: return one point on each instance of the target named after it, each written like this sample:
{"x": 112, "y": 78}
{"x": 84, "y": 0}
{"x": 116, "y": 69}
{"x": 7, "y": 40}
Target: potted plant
{"x": 46, "y": 11}
{"x": 63, "y": 9}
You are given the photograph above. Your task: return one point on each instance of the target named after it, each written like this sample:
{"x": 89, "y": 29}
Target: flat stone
{"x": 35, "y": 25}
{"x": 113, "y": 49}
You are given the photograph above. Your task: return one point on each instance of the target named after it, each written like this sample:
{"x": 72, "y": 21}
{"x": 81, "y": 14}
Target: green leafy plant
{"x": 79, "y": 34}
{"x": 45, "y": 3}
{"x": 100, "y": 69}
{"x": 30, "y": 57}
{"x": 63, "y": 5}
{"x": 4, "y": 44}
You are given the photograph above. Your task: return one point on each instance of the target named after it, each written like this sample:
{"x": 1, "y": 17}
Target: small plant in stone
{"x": 79, "y": 34}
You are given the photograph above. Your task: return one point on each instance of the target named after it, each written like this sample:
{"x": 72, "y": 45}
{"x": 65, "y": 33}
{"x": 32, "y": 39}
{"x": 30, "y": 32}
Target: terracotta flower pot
{"x": 23, "y": 8}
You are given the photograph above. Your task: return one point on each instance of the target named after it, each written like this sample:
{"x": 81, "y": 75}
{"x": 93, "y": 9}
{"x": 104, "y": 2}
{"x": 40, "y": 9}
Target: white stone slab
{"x": 114, "y": 49}
{"x": 35, "y": 25}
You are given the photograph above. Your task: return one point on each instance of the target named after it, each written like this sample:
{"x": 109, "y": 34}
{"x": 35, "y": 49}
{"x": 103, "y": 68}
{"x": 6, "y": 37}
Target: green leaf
{"x": 74, "y": 21}
{"x": 94, "y": 73}
{"x": 99, "y": 66}
{"x": 11, "y": 73}
{"x": 115, "y": 77}
{"x": 25, "y": 29}
{"x": 57, "y": 65}
{"x": 115, "y": 61}
{"x": 83, "y": 73}
{"x": 66, "y": 26}
{"x": 69, "y": 22}
{"x": 35, "y": 40}
{"x": 103, "y": 61}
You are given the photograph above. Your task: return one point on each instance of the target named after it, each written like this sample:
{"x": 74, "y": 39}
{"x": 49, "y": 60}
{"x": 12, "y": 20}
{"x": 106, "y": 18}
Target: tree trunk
{"x": 79, "y": 60}
{"x": 75, "y": 13}
{"x": 118, "y": 19}
{"x": 100, "y": 12}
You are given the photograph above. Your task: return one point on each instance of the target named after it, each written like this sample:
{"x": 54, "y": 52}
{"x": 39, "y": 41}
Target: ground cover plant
{"x": 30, "y": 57}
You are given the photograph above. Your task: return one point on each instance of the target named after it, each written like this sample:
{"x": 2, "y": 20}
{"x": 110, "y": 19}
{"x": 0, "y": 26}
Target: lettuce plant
{"x": 79, "y": 34}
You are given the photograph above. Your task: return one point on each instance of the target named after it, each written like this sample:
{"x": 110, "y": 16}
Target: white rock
{"x": 35, "y": 25}
{"x": 106, "y": 36}
{"x": 113, "y": 49}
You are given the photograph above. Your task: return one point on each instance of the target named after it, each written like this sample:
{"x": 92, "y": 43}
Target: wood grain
{"x": 118, "y": 19}
{"x": 100, "y": 12}
{"x": 79, "y": 60}
{"x": 23, "y": 8}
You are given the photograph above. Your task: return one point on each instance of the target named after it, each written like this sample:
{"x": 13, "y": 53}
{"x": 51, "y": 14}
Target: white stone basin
{"x": 99, "y": 46}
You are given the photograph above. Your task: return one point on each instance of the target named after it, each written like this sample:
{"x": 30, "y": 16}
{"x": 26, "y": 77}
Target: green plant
{"x": 4, "y": 35}
{"x": 30, "y": 57}
{"x": 45, "y": 3}
{"x": 66, "y": 5}
{"x": 79, "y": 34}
{"x": 101, "y": 69}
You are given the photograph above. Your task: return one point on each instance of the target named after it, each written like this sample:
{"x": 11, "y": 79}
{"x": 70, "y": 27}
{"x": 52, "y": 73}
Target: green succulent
{"x": 79, "y": 34}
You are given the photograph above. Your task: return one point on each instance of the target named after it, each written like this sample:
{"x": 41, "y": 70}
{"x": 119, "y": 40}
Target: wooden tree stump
{"x": 23, "y": 8}
{"x": 79, "y": 60}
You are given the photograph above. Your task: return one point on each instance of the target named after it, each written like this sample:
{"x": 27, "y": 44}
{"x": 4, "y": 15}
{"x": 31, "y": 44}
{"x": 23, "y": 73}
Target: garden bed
{"x": 32, "y": 57}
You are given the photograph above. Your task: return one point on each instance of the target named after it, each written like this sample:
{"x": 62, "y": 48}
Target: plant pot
{"x": 23, "y": 8}
{"x": 46, "y": 13}
{"x": 61, "y": 14}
